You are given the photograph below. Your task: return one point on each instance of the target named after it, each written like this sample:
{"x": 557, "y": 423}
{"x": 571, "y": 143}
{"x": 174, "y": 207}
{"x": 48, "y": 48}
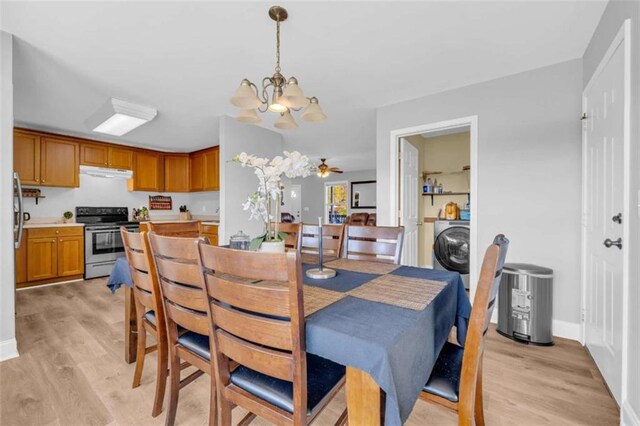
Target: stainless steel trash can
{"x": 525, "y": 303}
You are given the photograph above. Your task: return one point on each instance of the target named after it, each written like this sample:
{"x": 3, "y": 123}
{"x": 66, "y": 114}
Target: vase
{"x": 272, "y": 247}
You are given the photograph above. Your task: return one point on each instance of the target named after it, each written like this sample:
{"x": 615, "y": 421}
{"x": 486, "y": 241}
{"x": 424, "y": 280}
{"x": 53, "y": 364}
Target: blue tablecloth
{"x": 398, "y": 347}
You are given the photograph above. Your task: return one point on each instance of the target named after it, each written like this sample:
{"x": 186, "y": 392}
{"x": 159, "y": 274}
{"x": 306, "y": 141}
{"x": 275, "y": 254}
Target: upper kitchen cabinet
{"x": 212, "y": 169}
{"x": 147, "y": 172}
{"x": 26, "y": 156}
{"x": 196, "y": 166}
{"x": 205, "y": 170}
{"x": 176, "y": 172}
{"x": 120, "y": 158}
{"x": 103, "y": 155}
{"x": 96, "y": 155}
{"x": 59, "y": 162}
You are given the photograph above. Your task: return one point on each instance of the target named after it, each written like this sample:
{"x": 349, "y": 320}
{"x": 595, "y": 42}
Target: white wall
{"x": 102, "y": 192}
{"x": 8, "y": 347}
{"x": 529, "y": 171}
{"x": 312, "y": 189}
{"x": 612, "y": 19}
{"x": 236, "y": 182}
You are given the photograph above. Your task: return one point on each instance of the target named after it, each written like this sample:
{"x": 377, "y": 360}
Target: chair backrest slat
{"x": 373, "y": 243}
{"x": 144, "y": 297}
{"x": 138, "y": 260}
{"x": 185, "y": 302}
{"x": 332, "y": 236}
{"x": 142, "y": 279}
{"x": 188, "y": 318}
{"x": 262, "y": 297}
{"x": 267, "y": 361}
{"x": 178, "y": 272}
{"x": 176, "y": 229}
{"x": 273, "y": 332}
{"x": 294, "y": 235}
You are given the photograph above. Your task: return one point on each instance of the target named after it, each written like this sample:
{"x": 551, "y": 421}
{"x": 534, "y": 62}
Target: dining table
{"x": 386, "y": 323}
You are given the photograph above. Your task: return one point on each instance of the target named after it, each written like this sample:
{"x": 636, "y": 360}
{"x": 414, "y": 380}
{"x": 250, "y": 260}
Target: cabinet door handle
{"x": 53, "y": 241}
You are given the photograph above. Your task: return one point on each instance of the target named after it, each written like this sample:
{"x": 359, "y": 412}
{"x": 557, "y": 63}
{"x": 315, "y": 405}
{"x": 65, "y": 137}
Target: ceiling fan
{"x": 324, "y": 170}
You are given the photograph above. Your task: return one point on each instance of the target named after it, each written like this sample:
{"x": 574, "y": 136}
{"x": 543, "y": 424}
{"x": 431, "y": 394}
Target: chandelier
{"x": 279, "y": 94}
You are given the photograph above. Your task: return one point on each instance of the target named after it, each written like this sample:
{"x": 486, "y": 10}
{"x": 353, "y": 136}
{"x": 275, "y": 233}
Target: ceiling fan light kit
{"x": 278, "y": 94}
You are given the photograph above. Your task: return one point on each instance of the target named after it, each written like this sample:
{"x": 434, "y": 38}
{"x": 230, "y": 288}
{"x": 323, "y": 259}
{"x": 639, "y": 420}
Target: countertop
{"x": 28, "y": 225}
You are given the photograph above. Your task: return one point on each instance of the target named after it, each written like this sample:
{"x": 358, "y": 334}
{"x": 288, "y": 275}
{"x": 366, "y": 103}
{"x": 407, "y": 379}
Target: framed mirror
{"x": 363, "y": 194}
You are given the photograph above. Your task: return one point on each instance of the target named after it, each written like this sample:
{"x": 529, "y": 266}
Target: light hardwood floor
{"x": 72, "y": 372}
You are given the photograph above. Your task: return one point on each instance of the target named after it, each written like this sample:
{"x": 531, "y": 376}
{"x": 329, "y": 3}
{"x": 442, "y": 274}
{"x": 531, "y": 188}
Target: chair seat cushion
{"x": 445, "y": 377}
{"x": 322, "y": 376}
{"x": 196, "y": 343}
{"x": 151, "y": 317}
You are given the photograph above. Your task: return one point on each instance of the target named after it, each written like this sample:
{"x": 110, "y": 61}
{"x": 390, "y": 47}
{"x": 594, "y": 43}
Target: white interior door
{"x": 603, "y": 206}
{"x": 292, "y": 199}
{"x": 409, "y": 196}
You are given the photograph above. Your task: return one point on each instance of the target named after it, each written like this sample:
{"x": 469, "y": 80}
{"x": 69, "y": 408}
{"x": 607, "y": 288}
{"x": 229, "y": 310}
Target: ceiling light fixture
{"x": 285, "y": 96}
{"x": 117, "y": 117}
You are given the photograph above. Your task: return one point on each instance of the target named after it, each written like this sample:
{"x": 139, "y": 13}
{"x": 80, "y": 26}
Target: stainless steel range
{"x": 102, "y": 240}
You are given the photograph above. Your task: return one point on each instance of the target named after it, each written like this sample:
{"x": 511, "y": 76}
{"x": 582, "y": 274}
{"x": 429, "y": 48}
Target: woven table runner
{"x": 363, "y": 266}
{"x": 316, "y": 298}
{"x": 405, "y": 292}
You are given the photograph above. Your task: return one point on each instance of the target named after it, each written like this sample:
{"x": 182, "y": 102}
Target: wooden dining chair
{"x": 149, "y": 311}
{"x": 332, "y": 237}
{"x": 176, "y": 229}
{"x": 294, "y": 235}
{"x": 186, "y": 311}
{"x": 257, "y": 314}
{"x": 456, "y": 379}
{"x": 373, "y": 243}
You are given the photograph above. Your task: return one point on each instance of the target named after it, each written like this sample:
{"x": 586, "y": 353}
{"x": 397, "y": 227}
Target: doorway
{"x": 401, "y": 170}
{"x": 292, "y": 201}
{"x": 336, "y": 196}
{"x": 606, "y": 211}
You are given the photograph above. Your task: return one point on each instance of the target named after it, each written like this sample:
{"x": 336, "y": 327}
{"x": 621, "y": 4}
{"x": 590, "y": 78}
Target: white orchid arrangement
{"x": 269, "y": 174}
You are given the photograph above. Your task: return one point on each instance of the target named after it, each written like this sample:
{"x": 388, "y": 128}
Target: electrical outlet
{"x": 305, "y": 209}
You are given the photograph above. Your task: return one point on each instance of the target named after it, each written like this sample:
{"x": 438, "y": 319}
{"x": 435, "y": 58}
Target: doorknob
{"x": 608, "y": 243}
{"x": 617, "y": 218}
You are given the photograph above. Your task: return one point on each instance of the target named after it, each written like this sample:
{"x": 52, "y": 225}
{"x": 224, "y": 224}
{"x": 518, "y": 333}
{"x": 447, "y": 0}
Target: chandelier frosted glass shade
{"x": 285, "y": 121}
{"x": 313, "y": 113}
{"x": 248, "y": 116}
{"x": 245, "y": 97}
{"x": 293, "y": 97}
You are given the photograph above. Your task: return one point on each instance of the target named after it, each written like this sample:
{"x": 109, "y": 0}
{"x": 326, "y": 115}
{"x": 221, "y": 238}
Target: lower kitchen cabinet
{"x": 70, "y": 256}
{"x": 211, "y": 232}
{"x": 50, "y": 255}
{"x": 42, "y": 258}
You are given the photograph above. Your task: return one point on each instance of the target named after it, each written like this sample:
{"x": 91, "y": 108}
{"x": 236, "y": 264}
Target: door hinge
{"x": 584, "y": 116}
{"x": 583, "y": 315}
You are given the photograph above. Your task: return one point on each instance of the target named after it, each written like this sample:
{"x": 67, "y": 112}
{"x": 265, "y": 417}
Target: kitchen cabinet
{"x": 120, "y": 158}
{"x": 205, "y": 170}
{"x": 42, "y": 258}
{"x": 96, "y": 155}
{"x": 104, "y": 155}
{"x": 59, "y": 162}
{"x": 147, "y": 172}
{"x": 50, "y": 254}
{"x": 176, "y": 173}
{"x": 26, "y": 157}
{"x": 196, "y": 172}
{"x": 211, "y": 232}
{"x": 70, "y": 256}
{"x": 212, "y": 169}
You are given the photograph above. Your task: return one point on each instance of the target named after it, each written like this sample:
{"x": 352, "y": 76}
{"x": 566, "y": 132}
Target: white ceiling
{"x": 186, "y": 59}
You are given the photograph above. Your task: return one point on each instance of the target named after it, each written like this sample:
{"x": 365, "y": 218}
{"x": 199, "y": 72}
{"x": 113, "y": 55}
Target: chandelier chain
{"x": 278, "y": 45}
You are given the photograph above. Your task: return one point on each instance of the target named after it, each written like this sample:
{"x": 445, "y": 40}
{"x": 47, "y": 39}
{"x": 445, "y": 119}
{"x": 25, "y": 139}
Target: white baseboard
{"x": 628, "y": 417}
{"x": 568, "y": 330}
{"x": 8, "y": 349}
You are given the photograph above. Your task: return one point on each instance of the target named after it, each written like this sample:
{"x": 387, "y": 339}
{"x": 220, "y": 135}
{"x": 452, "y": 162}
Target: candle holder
{"x": 321, "y": 273}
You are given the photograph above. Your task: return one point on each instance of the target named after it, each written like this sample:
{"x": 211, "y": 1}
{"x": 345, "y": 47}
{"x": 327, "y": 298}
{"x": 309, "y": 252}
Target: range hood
{"x": 105, "y": 172}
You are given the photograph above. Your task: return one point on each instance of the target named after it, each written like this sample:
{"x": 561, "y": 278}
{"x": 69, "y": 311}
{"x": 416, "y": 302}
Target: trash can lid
{"x": 527, "y": 268}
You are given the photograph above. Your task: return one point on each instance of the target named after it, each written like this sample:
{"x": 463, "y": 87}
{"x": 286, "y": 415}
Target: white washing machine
{"x": 452, "y": 246}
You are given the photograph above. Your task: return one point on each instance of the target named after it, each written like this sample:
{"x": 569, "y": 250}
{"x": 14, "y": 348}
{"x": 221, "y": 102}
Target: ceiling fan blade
{"x": 337, "y": 171}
